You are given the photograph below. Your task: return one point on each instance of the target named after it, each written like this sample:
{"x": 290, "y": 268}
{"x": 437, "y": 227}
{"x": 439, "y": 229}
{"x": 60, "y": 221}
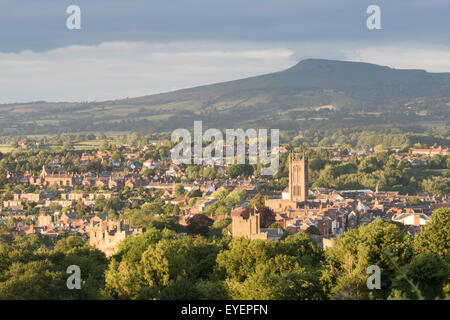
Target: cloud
{"x": 125, "y": 69}
{"x": 114, "y": 70}
{"x": 406, "y": 56}
{"x": 41, "y": 25}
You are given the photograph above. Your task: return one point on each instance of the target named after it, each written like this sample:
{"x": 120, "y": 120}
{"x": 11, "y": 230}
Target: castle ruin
{"x": 107, "y": 235}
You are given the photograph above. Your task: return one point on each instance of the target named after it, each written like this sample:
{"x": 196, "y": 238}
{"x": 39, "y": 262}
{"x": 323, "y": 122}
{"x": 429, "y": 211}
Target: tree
{"x": 313, "y": 230}
{"x": 235, "y": 197}
{"x": 67, "y": 146}
{"x": 222, "y": 211}
{"x": 219, "y": 227}
{"x": 100, "y": 203}
{"x": 113, "y": 205}
{"x": 167, "y": 222}
{"x": 435, "y": 235}
{"x": 68, "y": 243}
{"x": 267, "y": 216}
{"x": 259, "y": 269}
{"x": 180, "y": 289}
{"x": 280, "y": 278}
{"x": 148, "y": 173}
{"x": 152, "y": 208}
{"x": 179, "y": 190}
{"x": 116, "y": 156}
{"x": 437, "y": 185}
{"x": 209, "y": 173}
{"x": 124, "y": 277}
{"x": 357, "y": 249}
{"x": 34, "y": 280}
{"x": 258, "y": 202}
{"x": 437, "y": 161}
{"x": 176, "y": 210}
{"x": 236, "y": 170}
{"x": 199, "y": 224}
{"x": 80, "y": 208}
{"x": 164, "y": 268}
{"x": 29, "y": 270}
{"x": 55, "y": 207}
{"x": 3, "y": 179}
{"x": 428, "y": 273}
{"x": 194, "y": 194}
{"x": 368, "y": 165}
{"x": 221, "y": 194}
{"x": 413, "y": 201}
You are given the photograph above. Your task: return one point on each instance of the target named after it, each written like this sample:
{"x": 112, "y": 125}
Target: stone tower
{"x": 43, "y": 173}
{"x": 298, "y": 177}
{"x": 247, "y": 228}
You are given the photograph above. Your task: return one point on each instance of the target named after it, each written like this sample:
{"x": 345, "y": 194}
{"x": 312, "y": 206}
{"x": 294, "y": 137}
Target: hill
{"x": 360, "y": 93}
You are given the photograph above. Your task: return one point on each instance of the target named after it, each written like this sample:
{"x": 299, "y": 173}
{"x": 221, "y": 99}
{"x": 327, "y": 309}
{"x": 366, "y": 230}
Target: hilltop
{"x": 357, "y": 91}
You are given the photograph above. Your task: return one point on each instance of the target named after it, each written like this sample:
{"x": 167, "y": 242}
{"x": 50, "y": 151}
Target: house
{"x": 116, "y": 163}
{"x": 412, "y": 218}
{"x": 149, "y": 164}
{"x": 44, "y": 220}
{"x": 432, "y": 151}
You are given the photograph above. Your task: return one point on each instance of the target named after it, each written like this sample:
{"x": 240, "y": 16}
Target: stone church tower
{"x": 298, "y": 177}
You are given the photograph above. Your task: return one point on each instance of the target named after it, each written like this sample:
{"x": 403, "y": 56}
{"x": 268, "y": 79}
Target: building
{"x": 247, "y": 228}
{"x": 44, "y": 220}
{"x": 29, "y": 197}
{"x": 250, "y": 228}
{"x": 296, "y": 194}
{"x": 107, "y": 235}
{"x": 46, "y": 179}
{"x": 411, "y": 218}
{"x": 298, "y": 178}
{"x": 432, "y": 151}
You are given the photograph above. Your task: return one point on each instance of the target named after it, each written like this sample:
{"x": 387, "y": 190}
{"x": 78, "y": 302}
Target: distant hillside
{"x": 359, "y": 92}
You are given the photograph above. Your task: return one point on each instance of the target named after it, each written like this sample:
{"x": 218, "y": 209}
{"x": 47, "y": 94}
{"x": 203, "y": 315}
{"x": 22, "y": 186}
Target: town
{"x": 123, "y": 203}
{"x": 100, "y": 194}
{"x": 198, "y": 155}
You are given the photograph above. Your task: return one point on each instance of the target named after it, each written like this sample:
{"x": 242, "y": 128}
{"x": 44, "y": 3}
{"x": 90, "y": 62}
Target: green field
{"x": 4, "y": 148}
{"x": 421, "y": 173}
{"x": 284, "y": 100}
{"x": 84, "y": 146}
{"x": 88, "y": 145}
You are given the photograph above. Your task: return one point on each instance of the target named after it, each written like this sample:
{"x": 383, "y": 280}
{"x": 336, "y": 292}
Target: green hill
{"x": 361, "y": 93}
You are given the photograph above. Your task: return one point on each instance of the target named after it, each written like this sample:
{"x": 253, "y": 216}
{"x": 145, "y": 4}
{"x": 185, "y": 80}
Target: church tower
{"x": 298, "y": 177}
{"x": 43, "y": 173}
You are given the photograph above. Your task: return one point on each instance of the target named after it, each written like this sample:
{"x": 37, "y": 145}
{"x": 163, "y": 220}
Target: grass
{"x": 84, "y": 145}
{"x": 88, "y": 145}
{"x": 423, "y": 173}
{"x": 5, "y": 148}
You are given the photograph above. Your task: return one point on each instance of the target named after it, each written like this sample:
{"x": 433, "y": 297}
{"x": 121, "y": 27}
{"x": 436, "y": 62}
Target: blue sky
{"x": 138, "y": 47}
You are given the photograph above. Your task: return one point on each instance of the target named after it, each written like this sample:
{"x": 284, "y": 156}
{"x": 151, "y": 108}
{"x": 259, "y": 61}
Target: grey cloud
{"x": 40, "y": 25}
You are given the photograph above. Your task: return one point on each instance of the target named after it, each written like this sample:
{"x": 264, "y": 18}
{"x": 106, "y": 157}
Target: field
{"x": 80, "y": 146}
{"x": 284, "y": 100}
{"x": 4, "y": 148}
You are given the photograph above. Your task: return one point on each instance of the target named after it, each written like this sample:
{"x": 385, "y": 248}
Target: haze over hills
{"x": 360, "y": 92}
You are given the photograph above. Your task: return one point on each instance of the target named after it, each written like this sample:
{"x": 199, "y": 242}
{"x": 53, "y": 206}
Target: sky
{"x": 139, "y": 47}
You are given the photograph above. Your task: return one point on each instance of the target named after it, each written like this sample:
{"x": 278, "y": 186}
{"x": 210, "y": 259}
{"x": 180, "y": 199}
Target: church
{"x": 296, "y": 194}
{"x": 60, "y": 179}
{"x": 295, "y": 197}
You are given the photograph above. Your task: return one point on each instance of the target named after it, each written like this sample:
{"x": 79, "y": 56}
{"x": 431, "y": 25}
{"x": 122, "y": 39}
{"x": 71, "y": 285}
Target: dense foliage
{"x": 165, "y": 263}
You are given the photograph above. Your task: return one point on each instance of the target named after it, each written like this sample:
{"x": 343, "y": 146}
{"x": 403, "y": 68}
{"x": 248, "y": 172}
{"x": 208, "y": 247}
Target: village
{"x": 58, "y": 197}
